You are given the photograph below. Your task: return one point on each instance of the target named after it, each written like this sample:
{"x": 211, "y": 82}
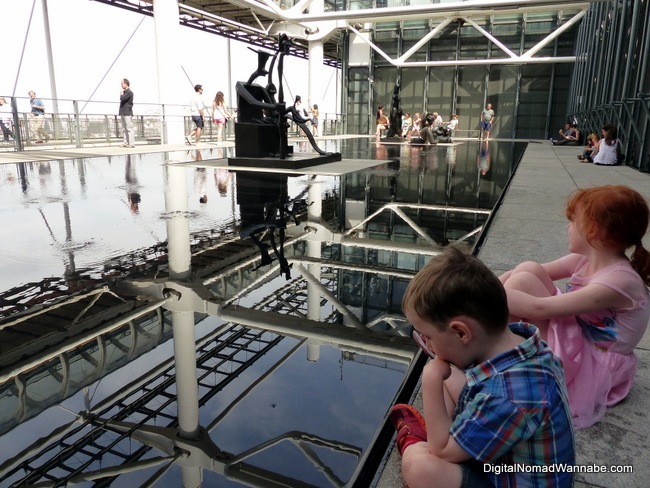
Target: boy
{"x": 507, "y": 416}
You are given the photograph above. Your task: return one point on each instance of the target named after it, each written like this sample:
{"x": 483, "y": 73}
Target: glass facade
{"x": 610, "y": 83}
{"x": 530, "y": 100}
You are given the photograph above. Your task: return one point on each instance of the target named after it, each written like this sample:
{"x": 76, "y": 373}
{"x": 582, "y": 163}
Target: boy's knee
{"x": 421, "y": 468}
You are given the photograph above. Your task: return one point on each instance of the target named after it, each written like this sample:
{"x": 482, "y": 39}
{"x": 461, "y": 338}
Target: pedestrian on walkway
{"x": 220, "y": 115}
{"x": 37, "y": 119}
{"x": 487, "y": 121}
{"x": 126, "y": 114}
{"x": 198, "y": 110}
{"x": 597, "y": 322}
{"x": 5, "y": 120}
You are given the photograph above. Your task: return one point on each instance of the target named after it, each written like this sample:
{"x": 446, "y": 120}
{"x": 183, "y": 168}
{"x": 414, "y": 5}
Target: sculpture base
{"x": 295, "y": 161}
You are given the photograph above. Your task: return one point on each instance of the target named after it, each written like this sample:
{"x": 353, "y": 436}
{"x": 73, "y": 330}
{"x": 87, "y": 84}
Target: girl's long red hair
{"x": 616, "y": 217}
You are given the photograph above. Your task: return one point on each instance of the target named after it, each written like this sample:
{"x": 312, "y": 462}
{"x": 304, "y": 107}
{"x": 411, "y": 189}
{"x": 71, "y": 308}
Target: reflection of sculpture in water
{"x": 483, "y": 160}
{"x": 261, "y": 128}
{"x": 264, "y": 207}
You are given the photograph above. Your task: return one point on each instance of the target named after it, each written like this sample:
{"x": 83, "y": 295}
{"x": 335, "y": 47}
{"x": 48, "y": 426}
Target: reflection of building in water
{"x": 257, "y": 328}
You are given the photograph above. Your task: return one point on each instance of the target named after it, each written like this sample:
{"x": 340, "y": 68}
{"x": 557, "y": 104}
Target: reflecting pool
{"x": 168, "y": 320}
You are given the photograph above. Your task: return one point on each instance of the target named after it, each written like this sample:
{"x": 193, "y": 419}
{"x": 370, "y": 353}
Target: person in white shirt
{"x": 607, "y": 150}
{"x": 453, "y": 123}
{"x": 197, "y": 110}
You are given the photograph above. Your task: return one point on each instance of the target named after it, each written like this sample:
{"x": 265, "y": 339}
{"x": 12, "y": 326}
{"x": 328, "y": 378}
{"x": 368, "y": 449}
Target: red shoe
{"x": 409, "y": 425}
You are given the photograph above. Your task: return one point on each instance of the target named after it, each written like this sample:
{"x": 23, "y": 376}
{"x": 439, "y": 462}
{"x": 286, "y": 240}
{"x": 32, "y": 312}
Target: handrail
{"x": 78, "y": 127}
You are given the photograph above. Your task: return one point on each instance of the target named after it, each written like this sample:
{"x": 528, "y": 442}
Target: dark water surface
{"x": 297, "y": 365}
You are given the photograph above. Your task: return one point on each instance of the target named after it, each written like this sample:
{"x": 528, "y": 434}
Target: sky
{"x": 96, "y": 45}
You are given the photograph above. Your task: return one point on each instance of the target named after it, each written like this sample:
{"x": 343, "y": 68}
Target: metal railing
{"x": 78, "y": 124}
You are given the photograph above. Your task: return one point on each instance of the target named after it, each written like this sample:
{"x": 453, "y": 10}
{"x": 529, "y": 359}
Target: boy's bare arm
{"x": 437, "y": 415}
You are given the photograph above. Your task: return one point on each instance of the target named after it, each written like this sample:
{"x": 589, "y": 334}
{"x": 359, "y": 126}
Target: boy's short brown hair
{"x": 456, "y": 283}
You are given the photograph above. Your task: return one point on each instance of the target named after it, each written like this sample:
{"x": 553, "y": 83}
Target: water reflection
{"x": 270, "y": 379}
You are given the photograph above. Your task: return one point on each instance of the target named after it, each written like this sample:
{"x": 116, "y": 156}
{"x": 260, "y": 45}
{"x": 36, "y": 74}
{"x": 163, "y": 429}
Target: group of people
{"x": 412, "y": 127}
{"x": 199, "y": 110}
{"x": 603, "y": 150}
{"x": 517, "y": 363}
{"x": 417, "y": 126}
{"x": 569, "y": 136}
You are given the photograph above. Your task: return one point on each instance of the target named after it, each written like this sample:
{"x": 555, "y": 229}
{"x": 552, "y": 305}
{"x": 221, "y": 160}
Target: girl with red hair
{"x": 593, "y": 325}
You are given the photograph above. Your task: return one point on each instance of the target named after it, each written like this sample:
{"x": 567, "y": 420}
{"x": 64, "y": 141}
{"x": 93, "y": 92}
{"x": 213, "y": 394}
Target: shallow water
{"x": 305, "y": 407}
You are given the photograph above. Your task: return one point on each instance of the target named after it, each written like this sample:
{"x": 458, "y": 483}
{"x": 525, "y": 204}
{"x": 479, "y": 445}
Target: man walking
{"x": 197, "y": 111}
{"x": 126, "y": 114}
{"x": 37, "y": 118}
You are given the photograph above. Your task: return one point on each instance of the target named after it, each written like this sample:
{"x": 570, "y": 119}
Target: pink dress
{"x": 597, "y": 349}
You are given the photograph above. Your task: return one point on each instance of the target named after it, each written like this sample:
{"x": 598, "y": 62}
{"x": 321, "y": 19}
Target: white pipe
{"x": 496, "y": 41}
{"x": 533, "y": 50}
{"x": 473, "y": 8}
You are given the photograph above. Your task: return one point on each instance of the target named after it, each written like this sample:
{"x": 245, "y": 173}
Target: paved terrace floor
{"x": 530, "y": 224}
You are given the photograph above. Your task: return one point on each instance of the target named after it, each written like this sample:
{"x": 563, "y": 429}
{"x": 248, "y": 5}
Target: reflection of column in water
{"x": 178, "y": 228}
{"x": 451, "y": 158}
{"x": 315, "y": 203}
{"x": 178, "y": 239}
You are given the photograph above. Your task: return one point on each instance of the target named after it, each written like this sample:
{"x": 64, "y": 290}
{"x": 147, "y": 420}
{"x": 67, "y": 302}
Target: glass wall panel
{"x": 441, "y": 91}
{"x": 412, "y": 90}
{"x": 502, "y": 94}
{"x": 533, "y": 100}
{"x": 358, "y": 100}
{"x": 443, "y": 48}
{"x": 419, "y": 55}
{"x": 382, "y": 88}
{"x": 509, "y": 35}
{"x": 471, "y": 89}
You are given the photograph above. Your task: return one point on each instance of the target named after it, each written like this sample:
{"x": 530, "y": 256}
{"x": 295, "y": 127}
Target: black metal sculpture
{"x": 262, "y": 122}
{"x": 395, "y": 128}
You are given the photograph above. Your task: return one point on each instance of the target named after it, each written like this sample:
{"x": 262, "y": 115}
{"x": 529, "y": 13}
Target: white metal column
{"x": 168, "y": 48}
{"x": 315, "y": 63}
